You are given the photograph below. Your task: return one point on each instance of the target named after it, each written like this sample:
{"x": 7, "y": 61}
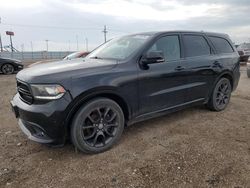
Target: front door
{"x": 162, "y": 85}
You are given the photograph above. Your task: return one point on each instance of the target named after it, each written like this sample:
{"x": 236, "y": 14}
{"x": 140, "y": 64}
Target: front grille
{"x": 24, "y": 92}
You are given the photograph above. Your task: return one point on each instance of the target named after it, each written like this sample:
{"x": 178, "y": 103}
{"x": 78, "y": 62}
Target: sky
{"x": 64, "y": 22}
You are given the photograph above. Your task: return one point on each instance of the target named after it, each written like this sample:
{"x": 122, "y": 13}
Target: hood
{"x": 11, "y": 60}
{"x": 54, "y": 72}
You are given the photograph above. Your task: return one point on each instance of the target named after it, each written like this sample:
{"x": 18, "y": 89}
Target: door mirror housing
{"x": 153, "y": 57}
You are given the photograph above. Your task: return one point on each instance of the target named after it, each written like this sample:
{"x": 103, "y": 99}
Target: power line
{"x": 49, "y": 27}
{"x": 59, "y": 27}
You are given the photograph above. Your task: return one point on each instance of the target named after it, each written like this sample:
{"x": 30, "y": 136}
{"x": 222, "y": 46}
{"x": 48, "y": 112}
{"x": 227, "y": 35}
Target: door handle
{"x": 179, "y": 68}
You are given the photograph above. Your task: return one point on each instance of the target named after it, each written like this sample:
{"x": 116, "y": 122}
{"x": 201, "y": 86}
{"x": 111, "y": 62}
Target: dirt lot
{"x": 190, "y": 148}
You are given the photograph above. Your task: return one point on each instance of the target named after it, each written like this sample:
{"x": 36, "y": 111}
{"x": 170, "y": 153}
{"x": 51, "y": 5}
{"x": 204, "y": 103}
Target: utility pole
{"x": 1, "y": 44}
{"x": 86, "y": 41}
{"x": 22, "y": 47}
{"x": 77, "y": 46}
{"x": 10, "y": 33}
{"x": 11, "y": 43}
{"x": 69, "y": 45}
{"x": 31, "y": 45}
{"x": 105, "y": 33}
{"x": 47, "y": 44}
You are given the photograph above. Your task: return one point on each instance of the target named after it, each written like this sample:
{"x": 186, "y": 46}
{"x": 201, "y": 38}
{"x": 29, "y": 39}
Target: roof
{"x": 184, "y": 31}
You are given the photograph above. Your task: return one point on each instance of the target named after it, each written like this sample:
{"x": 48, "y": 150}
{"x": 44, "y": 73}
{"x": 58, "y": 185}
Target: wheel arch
{"x": 227, "y": 75}
{"x": 87, "y": 96}
{"x": 4, "y": 63}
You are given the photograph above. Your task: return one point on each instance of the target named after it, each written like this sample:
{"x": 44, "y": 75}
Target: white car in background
{"x": 75, "y": 55}
{"x": 244, "y": 51}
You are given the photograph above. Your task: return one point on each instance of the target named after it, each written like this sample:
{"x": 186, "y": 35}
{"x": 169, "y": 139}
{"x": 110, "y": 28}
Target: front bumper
{"x": 34, "y": 132}
{"x": 18, "y": 67}
{"x": 43, "y": 123}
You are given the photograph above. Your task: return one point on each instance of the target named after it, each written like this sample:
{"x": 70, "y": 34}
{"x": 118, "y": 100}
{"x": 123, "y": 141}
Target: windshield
{"x": 120, "y": 48}
{"x": 244, "y": 46}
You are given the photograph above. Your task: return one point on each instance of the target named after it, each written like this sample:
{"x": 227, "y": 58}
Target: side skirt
{"x": 165, "y": 111}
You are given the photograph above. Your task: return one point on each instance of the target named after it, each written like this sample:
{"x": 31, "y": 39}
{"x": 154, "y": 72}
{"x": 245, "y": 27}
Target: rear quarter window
{"x": 221, "y": 45}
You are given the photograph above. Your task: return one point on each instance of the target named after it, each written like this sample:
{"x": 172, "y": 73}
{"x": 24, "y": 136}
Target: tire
{"x": 221, "y": 95}
{"x": 248, "y": 73}
{"x": 7, "y": 69}
{"x": 97, "y": 126}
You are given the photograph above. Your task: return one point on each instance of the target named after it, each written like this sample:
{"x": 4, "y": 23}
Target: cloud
{"x": 146, "y": 10}
{"x": 86, "y": 18}
{"x": 15, "y": 4}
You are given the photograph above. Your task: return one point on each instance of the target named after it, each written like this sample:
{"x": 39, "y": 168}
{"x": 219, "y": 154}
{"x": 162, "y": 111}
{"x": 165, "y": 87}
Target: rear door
{"x": 198, "y": 66}
{"x": 227, "y": 54}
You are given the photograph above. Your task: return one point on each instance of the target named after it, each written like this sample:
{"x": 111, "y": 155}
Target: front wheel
{"x": 97, "y": 126}
{"x": 7, "y": 69}
{"x": 221, "y": 95}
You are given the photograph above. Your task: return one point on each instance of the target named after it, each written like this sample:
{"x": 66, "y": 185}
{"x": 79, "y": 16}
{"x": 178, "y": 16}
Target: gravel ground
{"x": 190, "y": 148}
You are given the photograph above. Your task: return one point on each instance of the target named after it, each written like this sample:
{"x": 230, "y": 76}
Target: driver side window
{"x": 169, "y": 45}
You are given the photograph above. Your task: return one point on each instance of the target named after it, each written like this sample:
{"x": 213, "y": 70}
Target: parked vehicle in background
{"x": 10, "y": 66}
{"x": 244, "y": 51}
{"x": 76, "y": 55}
{"x": 71, "y": 56}
{"x": 248, "y": 70}
{"x": 126, "y": 80}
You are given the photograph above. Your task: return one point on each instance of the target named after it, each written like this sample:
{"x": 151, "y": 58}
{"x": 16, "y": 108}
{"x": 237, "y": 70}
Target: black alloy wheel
{"x": 221, "y": 95}
{"x": 7, "y": 69}
{"x": 97, "y": 125}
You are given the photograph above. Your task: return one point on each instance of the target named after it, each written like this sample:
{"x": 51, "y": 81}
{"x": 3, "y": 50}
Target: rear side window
{"x": 195, "y": 45}
{"x": 221, "y": 45}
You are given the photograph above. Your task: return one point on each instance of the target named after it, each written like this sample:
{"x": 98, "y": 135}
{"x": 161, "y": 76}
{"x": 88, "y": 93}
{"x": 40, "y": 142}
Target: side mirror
{"x": 153, "y": 57}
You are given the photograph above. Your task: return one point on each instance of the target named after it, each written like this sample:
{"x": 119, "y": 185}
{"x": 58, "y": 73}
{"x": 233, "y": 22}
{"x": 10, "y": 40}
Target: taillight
{"x": 241, "y": 52}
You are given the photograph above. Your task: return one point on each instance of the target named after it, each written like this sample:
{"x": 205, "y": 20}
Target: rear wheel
{"x": 7, "y": 69}
{"x": 221, "y": 95}
{"x": 97, "y": 126}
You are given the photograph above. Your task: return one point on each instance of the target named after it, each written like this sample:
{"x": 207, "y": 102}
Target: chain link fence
{"x": 34, "y": 55}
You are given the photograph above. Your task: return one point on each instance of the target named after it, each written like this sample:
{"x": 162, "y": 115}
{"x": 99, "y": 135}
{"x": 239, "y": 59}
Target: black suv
{"x": 126, "y": 80}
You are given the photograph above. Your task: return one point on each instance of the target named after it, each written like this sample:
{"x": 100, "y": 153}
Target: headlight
{"x": 47, "y": 92}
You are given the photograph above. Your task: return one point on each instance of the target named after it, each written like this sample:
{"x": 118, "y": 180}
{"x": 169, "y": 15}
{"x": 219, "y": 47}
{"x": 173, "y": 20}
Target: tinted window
{"x": 195, "y": 45}
{"x": 221, "y": 45}
{"x": 170, "y": 47}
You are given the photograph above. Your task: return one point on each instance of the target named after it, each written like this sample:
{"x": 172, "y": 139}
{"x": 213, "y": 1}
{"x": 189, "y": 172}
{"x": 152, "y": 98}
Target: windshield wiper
{"x": 96, "y": 57}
